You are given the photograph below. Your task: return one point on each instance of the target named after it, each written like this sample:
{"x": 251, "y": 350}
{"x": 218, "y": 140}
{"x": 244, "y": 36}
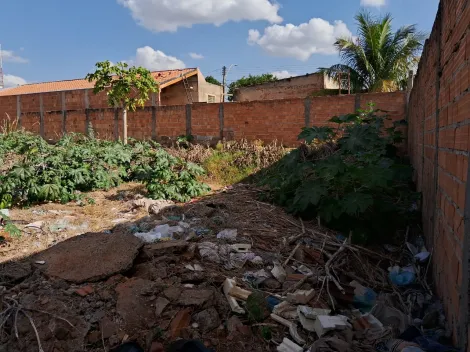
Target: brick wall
{"x": 438, "y": 144}
{"x": 268, "y": 120}
{"x": 288, "y": 88}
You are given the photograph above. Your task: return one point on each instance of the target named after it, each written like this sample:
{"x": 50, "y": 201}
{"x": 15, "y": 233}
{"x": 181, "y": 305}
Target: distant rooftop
{"x": 164, "y": 78}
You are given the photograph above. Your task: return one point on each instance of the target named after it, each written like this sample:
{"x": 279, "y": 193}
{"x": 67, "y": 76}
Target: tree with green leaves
{"x": 126, "y": 87}
{"x": 378, "y": 59}
{"x": 211, "y": 79}
{"x": 250, "y": 81}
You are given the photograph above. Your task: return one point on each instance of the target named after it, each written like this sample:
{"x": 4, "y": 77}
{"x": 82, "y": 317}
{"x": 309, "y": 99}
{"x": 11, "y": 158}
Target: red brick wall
{"x": 438, "y": 144}
{"x": 268, "y": 120}
{"x": 289, "y": 88}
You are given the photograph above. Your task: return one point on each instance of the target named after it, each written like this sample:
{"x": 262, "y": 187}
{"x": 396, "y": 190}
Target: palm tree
{"x": 377, "y": 59}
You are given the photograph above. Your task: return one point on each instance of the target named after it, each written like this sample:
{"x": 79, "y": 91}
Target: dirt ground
{"x": 80, "y": 280}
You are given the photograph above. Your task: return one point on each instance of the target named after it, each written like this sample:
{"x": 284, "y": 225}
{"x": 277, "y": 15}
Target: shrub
{"x": 351, "y": 176}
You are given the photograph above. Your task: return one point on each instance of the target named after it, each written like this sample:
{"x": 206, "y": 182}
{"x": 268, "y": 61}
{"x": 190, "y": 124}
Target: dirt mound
{"x": 91, "y": 257}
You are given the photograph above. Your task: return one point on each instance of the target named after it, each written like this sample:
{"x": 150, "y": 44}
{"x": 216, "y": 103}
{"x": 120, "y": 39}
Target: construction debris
{"x": 289, "y": 346}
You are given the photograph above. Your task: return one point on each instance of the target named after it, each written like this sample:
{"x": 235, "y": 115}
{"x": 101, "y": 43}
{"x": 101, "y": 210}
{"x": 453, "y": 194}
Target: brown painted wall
{"x": 439, "y": 140}
{"x": 271, "y": 120}
{"x": 288, "y": 88}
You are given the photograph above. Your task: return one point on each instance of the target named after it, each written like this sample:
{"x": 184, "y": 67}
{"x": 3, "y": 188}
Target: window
{"x": 210, "y": 98}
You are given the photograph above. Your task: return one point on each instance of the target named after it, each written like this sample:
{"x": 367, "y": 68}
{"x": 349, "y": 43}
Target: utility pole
{"x": 224, "y": 79}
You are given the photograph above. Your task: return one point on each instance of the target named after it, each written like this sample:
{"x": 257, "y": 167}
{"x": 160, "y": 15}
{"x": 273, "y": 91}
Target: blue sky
{"x": 56, "y": 39}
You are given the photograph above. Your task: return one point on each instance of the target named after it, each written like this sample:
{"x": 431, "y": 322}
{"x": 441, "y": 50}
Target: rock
{"x": 108, "y": 327}
{"x": 84, "y": 291}
{"x": 90, "y": 257}
{"x": 271, "y": 284}
{"x": 160, "y": 305}
{"x": 233, "y": 323}
{"x": 93, "y": 337}
{"x": 195, "y": 297}
{"x": 180, "y": 322}
{"x": 15, "y": 271}
{"x": 157, "y": 347}
{"x": 172, "y": 293}
{"x": 135, "y": 309}
{"x": 207, "y": 320}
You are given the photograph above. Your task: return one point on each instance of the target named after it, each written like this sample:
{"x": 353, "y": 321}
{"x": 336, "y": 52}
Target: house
{"x": 177, "y": 87}
{"x": 287, "y": 88}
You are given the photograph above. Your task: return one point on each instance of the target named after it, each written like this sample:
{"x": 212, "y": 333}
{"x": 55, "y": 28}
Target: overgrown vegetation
{"x": 76, "y": 164}
{"x": 232, "y": 161}
{"x": 351, "y": 177}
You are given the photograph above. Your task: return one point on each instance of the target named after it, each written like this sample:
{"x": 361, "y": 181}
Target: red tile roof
{"x": 164, "y": 78}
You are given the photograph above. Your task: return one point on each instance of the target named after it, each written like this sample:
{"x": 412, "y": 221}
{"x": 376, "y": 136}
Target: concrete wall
{"x": 281, "y": 120}
{"x": 206, "y": 88}
{"x": 438, "y": 144}
{"x": 288, "y": 88}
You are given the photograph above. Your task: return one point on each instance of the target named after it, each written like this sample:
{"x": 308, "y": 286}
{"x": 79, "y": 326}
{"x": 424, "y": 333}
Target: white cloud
{"x": 155, "y": 60}
{"x": 165, "y": 15}
{"x": 375, "y": 3}
{"x": 302, "y": 41}
{"x": 196, "y": 56}
{"x": 13, "y": 81}
{"x": 283, "y": 74}
{"x": 10, "y": 56}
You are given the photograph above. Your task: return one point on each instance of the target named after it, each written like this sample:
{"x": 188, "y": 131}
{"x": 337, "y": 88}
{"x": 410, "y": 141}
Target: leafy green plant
{"x": 352, "y": 177}
{"x": 126, "y": 87}
{"x": 249, "y": 81}
{"x": 77, "y": 164}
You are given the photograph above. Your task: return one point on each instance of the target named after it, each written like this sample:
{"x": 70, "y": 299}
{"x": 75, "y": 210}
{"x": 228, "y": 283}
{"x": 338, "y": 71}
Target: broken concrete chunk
{"x": 172, "y": 293}
{"x": 160, "y": 305}
{"x": 301, "y": 296}
{"x": 241, "y": 247}
{"x": 228, "y": 285}
{"x": 289, "y": 346}
{"x": 278, "y": 272}
{"x": 207, "y": 320}
{"x": 325, "y": 323}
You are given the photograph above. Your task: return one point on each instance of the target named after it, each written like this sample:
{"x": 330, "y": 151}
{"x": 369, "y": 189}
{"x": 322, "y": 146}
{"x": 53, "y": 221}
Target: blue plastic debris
{"x": 402, "y": 276}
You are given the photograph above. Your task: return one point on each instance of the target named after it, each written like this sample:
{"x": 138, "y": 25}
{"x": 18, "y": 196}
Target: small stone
{"x": 180, "y": 322}
{"x": 108, "y": 327}
{"x": 172, "y": 293}
{"x": 160, "y": 305}
{"x": 84, "y": 291}
{"x": 195, "y": 297}
{"x": 271, "y": 284}
{"x": 233, "y": 323}
{"x": 208, "y": 320}
{"x": 94, "y": 337}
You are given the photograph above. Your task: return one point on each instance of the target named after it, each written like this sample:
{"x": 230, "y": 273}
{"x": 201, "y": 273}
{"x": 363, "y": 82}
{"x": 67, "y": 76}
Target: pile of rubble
{"x": 229, "y": 271}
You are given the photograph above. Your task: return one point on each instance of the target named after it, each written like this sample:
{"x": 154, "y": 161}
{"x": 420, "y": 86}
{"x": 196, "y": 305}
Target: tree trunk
{"x": 124, "y": 125}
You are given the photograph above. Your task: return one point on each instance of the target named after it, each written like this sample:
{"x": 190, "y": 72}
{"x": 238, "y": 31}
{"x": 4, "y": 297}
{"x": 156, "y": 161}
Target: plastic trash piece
{"x": 292, "y": 328}
{"x": 422, "y": 256}
{"x": 4, "y": 212}
{"x": 364, "y": 297}
{"x": 227, "y": 234}
{"x": 256, "y": 277}
{"x": 228, "y": 285}
{"x": 286, "y": 310}
{"x": 272, "y": 302}
{"x": 326, "y": 323}
{"x": 402, "y": 276}
{"x": 158, "y": 233}
{"x": 289, "y": 346}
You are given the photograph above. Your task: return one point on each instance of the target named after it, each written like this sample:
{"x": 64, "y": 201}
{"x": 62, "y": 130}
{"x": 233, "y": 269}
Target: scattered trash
{"x": 201, "y": 231}
{"x": 289, "y": 346}
{"x": 37, "y": 225}
{"x": 390, "y": 316}
{"x": 228, "y": 285}
{"x": 272, "y": 302}
{"x": 256, "y": 278}
{"x": 278, "y": 272}
{"x": 40, "y": 262}
{"x": 5, "y": 212}
{"x": 195, "y": 267}
{"x": 364, "y": 297}
{"x": 158, "y": 233}
{"x": 301, "y": 296}
{"x": 292, "y": 328}
{"x": 305, "y": 270}
{"x": 326, "y": 323}
{"x": 228, "y": 234}
{"x": 286, "y": 310}
{"x": 402, "y": 276}
{"x": 312, "y": 313}
{"x": 422, "y": 256}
